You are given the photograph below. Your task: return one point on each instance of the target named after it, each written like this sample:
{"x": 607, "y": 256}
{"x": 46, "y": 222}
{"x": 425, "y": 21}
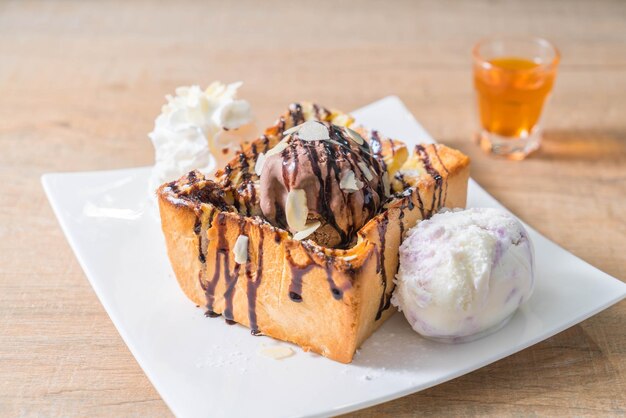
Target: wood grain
{"x": 81, "y": 83}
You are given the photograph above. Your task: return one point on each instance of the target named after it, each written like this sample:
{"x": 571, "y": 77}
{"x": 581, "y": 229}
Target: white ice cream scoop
{"x": 463, "y": 273}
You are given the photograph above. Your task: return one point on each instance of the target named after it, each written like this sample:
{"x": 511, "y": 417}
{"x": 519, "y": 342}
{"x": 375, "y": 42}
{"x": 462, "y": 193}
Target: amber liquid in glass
{"x": 511, "y": 94}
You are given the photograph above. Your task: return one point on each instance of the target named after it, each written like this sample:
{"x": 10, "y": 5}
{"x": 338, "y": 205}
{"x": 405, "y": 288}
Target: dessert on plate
{"x": 297, "y": 237}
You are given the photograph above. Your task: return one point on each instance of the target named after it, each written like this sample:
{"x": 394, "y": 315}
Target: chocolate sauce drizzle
{"x": 435, "y": 175}
{"x": 377, "y": 149}
{"x": 445, "y": 169}
{"x": 202, "y": 249}
{"x": 393, "y": 147}
{"x": 173, "y": 185}
{"x": 375, "y": 143}
{"x": 246, "y": 190}
{"x": 266, "y": 143}
{"x": 221, "y": 251}
{"x": 333, "y": 170}
{"x": 381, "y": 269}
{"x": 297, "y": 273}
{"x": 281, "y": 125}
{"x": 420, "y": 203}
{"x": 400, "y": 177}
{"x": 295, "y": 112}
{"x": 253, "y": 285}
{"x": 334, "y": 289}
{"x": 316, "y": 111}
{"x": 401, "y": 222}
{"x": 227, "y": 172}
{"x": 323, "y": 204}
{"x": 231, "y": 279}
{"x": 376, "y": 165}
{"x": 197, "y": 229}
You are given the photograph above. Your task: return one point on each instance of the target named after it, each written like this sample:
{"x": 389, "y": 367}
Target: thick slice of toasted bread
{"x": 323, "y": 299}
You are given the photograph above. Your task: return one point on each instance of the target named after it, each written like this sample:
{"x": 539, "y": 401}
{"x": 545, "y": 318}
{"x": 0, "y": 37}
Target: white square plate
{"x": 203, "y": 367}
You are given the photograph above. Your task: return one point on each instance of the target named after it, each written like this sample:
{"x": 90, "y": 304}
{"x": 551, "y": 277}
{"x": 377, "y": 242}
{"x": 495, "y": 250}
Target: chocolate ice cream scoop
{"x": 322, "y": 182}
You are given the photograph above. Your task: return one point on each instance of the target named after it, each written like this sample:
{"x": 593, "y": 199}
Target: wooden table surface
{"x": 81, "y": 84}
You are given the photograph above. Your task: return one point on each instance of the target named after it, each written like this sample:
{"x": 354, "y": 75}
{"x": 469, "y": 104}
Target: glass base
{"x": 514, "y": 148}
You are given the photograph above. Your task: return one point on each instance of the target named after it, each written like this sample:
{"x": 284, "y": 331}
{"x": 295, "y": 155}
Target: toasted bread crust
{"x": 325, "y": 300}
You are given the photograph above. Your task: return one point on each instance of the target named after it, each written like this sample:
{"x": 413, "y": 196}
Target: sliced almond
{"x": 366, "y": 171}
{"x": 240, "y": 250}
{"x": 277, "y": 352}
{"x": 293, "y": 129}
{"x": 386, "y": 184}
{"x": 349, "y": 182}
{"x": 355, "y": 136}
{"x": 308, "y": 230}
{"x": 296, "y": 210}
{"x": 260, "y": 162}
{"x": 313, "y": 131}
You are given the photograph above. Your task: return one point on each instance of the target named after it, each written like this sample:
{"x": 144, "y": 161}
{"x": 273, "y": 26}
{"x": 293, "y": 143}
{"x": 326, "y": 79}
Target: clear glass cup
{"x": 513, "y": 78}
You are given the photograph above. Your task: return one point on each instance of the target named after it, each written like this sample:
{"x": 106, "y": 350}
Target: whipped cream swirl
{"x": 199, "y": 129}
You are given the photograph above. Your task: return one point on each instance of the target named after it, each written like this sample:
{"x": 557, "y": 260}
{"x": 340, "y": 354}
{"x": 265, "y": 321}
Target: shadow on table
{"x": 591, "y": 145}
